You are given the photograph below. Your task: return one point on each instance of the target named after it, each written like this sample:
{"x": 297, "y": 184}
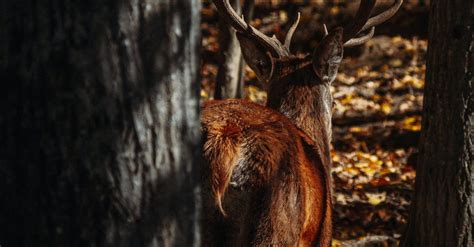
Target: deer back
{"x": 267, "y": 182}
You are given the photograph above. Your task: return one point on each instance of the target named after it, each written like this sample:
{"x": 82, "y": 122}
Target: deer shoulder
{"x": 263, "y": 167}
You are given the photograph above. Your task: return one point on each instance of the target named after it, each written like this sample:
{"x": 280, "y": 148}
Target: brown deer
{"x": 268, "y": 179}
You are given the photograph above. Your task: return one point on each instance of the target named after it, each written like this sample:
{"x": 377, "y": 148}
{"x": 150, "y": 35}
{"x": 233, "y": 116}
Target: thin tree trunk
{"x": 100, "y": 125}
{"x": 442, "y": 212}
{"x": 229, "y": 81}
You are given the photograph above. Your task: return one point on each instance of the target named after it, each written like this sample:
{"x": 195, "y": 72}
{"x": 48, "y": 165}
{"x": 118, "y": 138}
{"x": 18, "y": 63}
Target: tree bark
{"x": 229, "y": 80}
{"x": 442, "y": 212}
{"x": 100, "y": 124}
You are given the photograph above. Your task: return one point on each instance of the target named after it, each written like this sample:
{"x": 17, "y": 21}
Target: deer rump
{"x": 264, "y": 181}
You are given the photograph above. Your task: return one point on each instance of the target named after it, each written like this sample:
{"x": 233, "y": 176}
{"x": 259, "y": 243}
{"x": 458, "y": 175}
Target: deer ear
{"x": 257, "y": 57}
{"x": 328, "y": 55}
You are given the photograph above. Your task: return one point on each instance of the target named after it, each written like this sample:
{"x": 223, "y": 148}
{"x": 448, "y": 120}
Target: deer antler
{"x": 273, "y": 45}
{"x": 362, "y": 22}
{"x": 291, "y": 31}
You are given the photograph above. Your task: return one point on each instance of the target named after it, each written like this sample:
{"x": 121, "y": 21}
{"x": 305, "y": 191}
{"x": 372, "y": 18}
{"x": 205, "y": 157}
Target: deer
{"x": 268, "y": 178}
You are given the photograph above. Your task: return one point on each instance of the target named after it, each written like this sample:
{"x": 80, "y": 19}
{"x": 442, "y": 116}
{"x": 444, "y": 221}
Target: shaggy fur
{"x": 267, "y": 184}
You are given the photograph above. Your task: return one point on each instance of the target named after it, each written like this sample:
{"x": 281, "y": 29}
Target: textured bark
{"x": 100, "y": 125}
{"x": 229, "y": 81}
{"x": 443, "y": 205}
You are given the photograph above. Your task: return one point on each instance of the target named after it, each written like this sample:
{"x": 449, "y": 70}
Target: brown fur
{"x": 267, "y": 181}
{"x": 296, "y": 92}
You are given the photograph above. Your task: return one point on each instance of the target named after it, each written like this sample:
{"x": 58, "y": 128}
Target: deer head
{"x": 299, "y": 86}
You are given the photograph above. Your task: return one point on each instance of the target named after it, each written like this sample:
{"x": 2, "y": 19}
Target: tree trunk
{"x": 100, "y": 125}
{"x": 229, "y": 81}
{"x": 442, "y": 212}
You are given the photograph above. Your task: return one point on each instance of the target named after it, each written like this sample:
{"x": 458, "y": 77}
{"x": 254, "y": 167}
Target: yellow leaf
{"x": 386, "y": 108}
{"x": 369, "y": 171}
{"x": 334, "y": 10}
{"x": 361, "y": 72}
{"x": 336, "y": 243}
{"x": 375, "y": 97}
{"x": 355, "y": 129}
{"x": 412, "y": 123}
{"x": 409, "y": 120}
{"x": 250, "y": 73}
{"x": 415, "y": 128}
{"x": 376, "y": 198}
{"x": 396, "y": 62}
{"x": 373, "y": 158}
{"x": 346, "y": 100}
{"x": 397, "y": 39}
{"x": 204, "y": 94}
{"x": 361, "y": 164}
{"x": 352, "y": 171}
{"x": 283, "y": 16}
{"x": 252, "y": 89}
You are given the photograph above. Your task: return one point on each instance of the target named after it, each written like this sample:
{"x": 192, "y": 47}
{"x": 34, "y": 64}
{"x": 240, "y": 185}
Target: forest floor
{"x": 377, "y": 113}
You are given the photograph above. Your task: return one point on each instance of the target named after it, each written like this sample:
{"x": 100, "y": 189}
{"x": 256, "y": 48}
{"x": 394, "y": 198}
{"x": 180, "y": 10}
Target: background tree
{"x": 100, "y": 126}
{"x": 229, "y": 80}
{"x": 442, "y": 212}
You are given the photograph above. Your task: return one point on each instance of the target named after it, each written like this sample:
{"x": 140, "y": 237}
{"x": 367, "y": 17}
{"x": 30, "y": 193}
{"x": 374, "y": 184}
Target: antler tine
{"x": 291, "y": 31}
{"x": 360, "y": 40}
{"x": 382, "y": 17}
{"x": 325, "y": 30}
{"x": 226, "y": 11}
{"x": 363, "y": 14}
{"x": 363, "y": 22}
{"x": 272, "y": 44}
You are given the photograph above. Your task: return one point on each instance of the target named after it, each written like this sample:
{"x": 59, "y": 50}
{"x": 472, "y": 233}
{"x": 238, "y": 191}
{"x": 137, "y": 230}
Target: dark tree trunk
{"x": 442, "y": 212}
{"x": 100, "y": 125}
{"x": 229, "y": 81}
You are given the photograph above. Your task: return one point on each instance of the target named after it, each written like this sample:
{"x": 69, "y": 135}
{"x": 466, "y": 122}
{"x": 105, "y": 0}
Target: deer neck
{"x": 307, "y": 102}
